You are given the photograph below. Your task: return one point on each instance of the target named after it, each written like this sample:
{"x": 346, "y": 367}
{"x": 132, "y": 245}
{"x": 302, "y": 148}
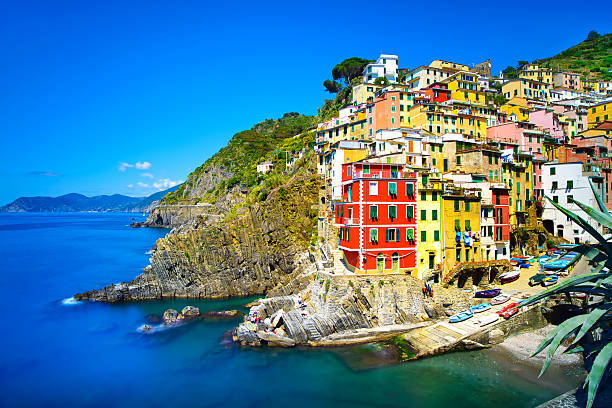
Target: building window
{"x": 392, "y": 212}
{"x": 374, "y": 235}
{"x": 409, "y": 212}
{"x": 458, "y": 254}
{"x": 374, "y": 212}
{"x": 570, "y": 185}
{"x": 553, "y": 171}
{"x": 409, "y": 189}
{"x": 392, "y": 234}
{"x": 410, "y": 235}
{"x": 436, "y": 235}
{"x": 423, "y": 196}
{"x": 457, "y": 225}
{"x": 434, "y": 215}
{"x": 392, "y": 189}
{"x": 366, "y": 169}
{"x": 373, "y": 188}
{"x": 555, "y": 199}
{"x": 467, "y": 206}
{"x": 468, "y": 227}
{"x": 423, "y": 215}
{"x": 456, "y": 203}
{"x": 434, "y": 195}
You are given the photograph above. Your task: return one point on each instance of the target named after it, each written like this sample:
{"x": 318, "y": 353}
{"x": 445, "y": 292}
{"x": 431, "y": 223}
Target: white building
{"x": 561, "y": 94}
{"x": 265, "y": 167}
{"x": 412, "y": 146}
{"x": 562, "y": 182}
{"x": 385, "y": 66}
{"x": 331, "y": 163}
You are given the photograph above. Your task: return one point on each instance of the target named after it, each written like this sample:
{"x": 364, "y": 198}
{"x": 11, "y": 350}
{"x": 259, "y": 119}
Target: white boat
{"x": 487, "y": 319}
{"x": 498, "y": 300}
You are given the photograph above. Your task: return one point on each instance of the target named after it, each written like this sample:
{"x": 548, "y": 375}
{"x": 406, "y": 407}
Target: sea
{"x": 55, "y": 352}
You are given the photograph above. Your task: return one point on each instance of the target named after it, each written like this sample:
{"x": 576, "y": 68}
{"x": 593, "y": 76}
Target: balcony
{"x": 385, "y": 174}
{"x": 349, "y": 221}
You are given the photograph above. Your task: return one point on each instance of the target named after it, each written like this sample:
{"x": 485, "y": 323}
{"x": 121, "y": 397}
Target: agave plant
{"x": 590, "y": 330}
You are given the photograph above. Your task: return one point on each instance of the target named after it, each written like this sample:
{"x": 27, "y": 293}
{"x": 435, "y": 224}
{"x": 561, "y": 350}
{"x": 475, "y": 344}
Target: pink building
{"x": 523, "y": 135}
{"x": 548, "y": 121}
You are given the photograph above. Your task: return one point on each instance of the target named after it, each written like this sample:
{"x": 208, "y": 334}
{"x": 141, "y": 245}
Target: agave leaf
{"x": 574, "y": 349}
{"x": 600, "y": 203}
{"x": 585, "y": 225}
{"x": 561, "y": 287}
{"x": 565, "y": 329}
{"x": 591, "y": 320}
{"x": 597, "y": 370}
{"x": 606, "y": 281}
{"x": 601, "y": 217}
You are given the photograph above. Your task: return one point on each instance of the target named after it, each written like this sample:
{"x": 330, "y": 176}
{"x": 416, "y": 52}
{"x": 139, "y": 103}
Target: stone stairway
{"x": 339, "y": 267}
{"x": 313, "y": 333}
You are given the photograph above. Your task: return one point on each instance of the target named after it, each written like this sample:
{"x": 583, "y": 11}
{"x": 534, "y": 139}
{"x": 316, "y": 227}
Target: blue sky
{"x": 96, "y": 97}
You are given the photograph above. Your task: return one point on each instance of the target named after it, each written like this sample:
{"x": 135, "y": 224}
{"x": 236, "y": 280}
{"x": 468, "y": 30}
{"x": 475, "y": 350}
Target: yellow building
{"x": 518, "y": 177}
{"x": 436, "y": 153}
{"x": 536, "y": 73}
{"x": 349, "y": 126}
{"x": 464, "y": 86}
{"x": 519, "y": 107}
{"x": 364, "y": 92}
{"x": 526, "y": 88}
{"x": 449, "y": 66}
{"x": 442, "y": 119}
{"x": 588, "y": 85}
{"x": 599, "y": 113}
{"x": 429, "y": 248}
{"x": 460, "y": 220}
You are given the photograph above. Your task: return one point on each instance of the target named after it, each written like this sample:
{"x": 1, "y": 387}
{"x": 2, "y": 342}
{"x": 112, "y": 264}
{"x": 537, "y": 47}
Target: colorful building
{"x": 377, "y": 217}
{"x": 536, "y": 73}
{"x": 461, "y": 223}
{"x": 567, "y": 80}
{"x": 430, "y": 228}
{"x": 599, "y": 113}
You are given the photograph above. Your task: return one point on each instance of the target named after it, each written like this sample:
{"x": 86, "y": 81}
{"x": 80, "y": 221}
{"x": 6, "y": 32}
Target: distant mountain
{"x": 77, "y": 202}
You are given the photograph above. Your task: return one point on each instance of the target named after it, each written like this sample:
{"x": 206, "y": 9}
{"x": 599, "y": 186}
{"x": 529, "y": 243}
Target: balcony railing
{"x": 377, "y": 174}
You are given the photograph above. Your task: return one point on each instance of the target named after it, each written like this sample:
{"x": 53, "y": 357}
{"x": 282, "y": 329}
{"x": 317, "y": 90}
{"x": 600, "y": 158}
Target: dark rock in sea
{"x": 224, "y": 314}
{"x": 171, "y": 316}
{"x": 190, "y": 312}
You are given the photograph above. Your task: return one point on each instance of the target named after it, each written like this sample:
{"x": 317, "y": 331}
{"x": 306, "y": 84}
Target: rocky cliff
{"x": 329, "y": 309}
{"x": 258, "y": 244}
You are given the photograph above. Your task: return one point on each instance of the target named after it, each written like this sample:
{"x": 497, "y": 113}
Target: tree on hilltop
{"x": 332, "y": 86}
{"x": 349, "y": 69}
{"x": 593, "y": 35}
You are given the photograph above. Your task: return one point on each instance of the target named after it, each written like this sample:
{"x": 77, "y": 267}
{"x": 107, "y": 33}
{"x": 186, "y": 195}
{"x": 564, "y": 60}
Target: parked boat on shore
{"x": 480, "y": 308}
{"x": 499, "y": 299}
{"x": 490, "y": 293}
{"x": 461, "y": 316}
{"x": 510, "y": 276}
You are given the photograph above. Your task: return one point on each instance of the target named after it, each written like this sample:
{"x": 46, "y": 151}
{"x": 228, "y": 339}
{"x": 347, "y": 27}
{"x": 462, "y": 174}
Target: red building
{"x": 377, "y": 217}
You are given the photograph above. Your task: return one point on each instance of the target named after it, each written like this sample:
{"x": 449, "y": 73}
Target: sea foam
{"x": 71, "y": 301}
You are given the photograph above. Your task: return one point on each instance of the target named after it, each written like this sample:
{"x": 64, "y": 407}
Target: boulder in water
{"x": 190, "y": 312}
{"x": 223, "y": 314}
{"x": 171, "y": 316}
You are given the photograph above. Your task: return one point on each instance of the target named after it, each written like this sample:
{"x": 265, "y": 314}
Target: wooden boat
{"x": 480, "y": 308}
{"x": 510, "y": 276}
{"x": 509, "y": 313}
{"x": 507, "y": 307}
{"x": 550, "y": 280}
{"x": 499, "y": 299}
{"x": 490, "y": 293}
{"x": 487, "y": 319}
{"x": 461, "y": 316}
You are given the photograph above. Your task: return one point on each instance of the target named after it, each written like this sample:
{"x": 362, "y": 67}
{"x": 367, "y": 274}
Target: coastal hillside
{"x": 259, "y": 244}
{"x": 591, "y": 58}
{"x": 74, "y": 202}
{"x": 236, "y": 163}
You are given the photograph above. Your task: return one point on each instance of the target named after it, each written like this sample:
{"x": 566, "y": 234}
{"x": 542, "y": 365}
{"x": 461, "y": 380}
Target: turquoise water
{"x": 57, "y": 354}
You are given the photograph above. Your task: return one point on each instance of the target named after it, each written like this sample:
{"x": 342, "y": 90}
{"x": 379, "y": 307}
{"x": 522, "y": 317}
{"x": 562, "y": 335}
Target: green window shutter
{"x": 423, "y": 215}
{"x": 409, "y": 189}
{"x": 409, "y": 212}
{"x": 436, "y": 235}
{"x": 392, "y": 211}
{"x": 410, "y": 234}
{"x": 373, "y": 211}
{"x": 467, "y": 206}
{"x": 423, "y": 236}
{"x": 341, "y": 211}
{"x": 445, "y": 165}
{"x": 374, "y": 234}
{"x": 456, "y": 205}
{"x": 458, "y": 160}
{"x": 467, "y": 225}
{"x": 457, "y": 225}
{"x": 434, "y": 215}
{"x": 423, "y": 196}
{"x": 434, "y": 196}
{"x": 397, "y": 235}
{"x": 387, "y": 235}
{"x": 392, "y": 189}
